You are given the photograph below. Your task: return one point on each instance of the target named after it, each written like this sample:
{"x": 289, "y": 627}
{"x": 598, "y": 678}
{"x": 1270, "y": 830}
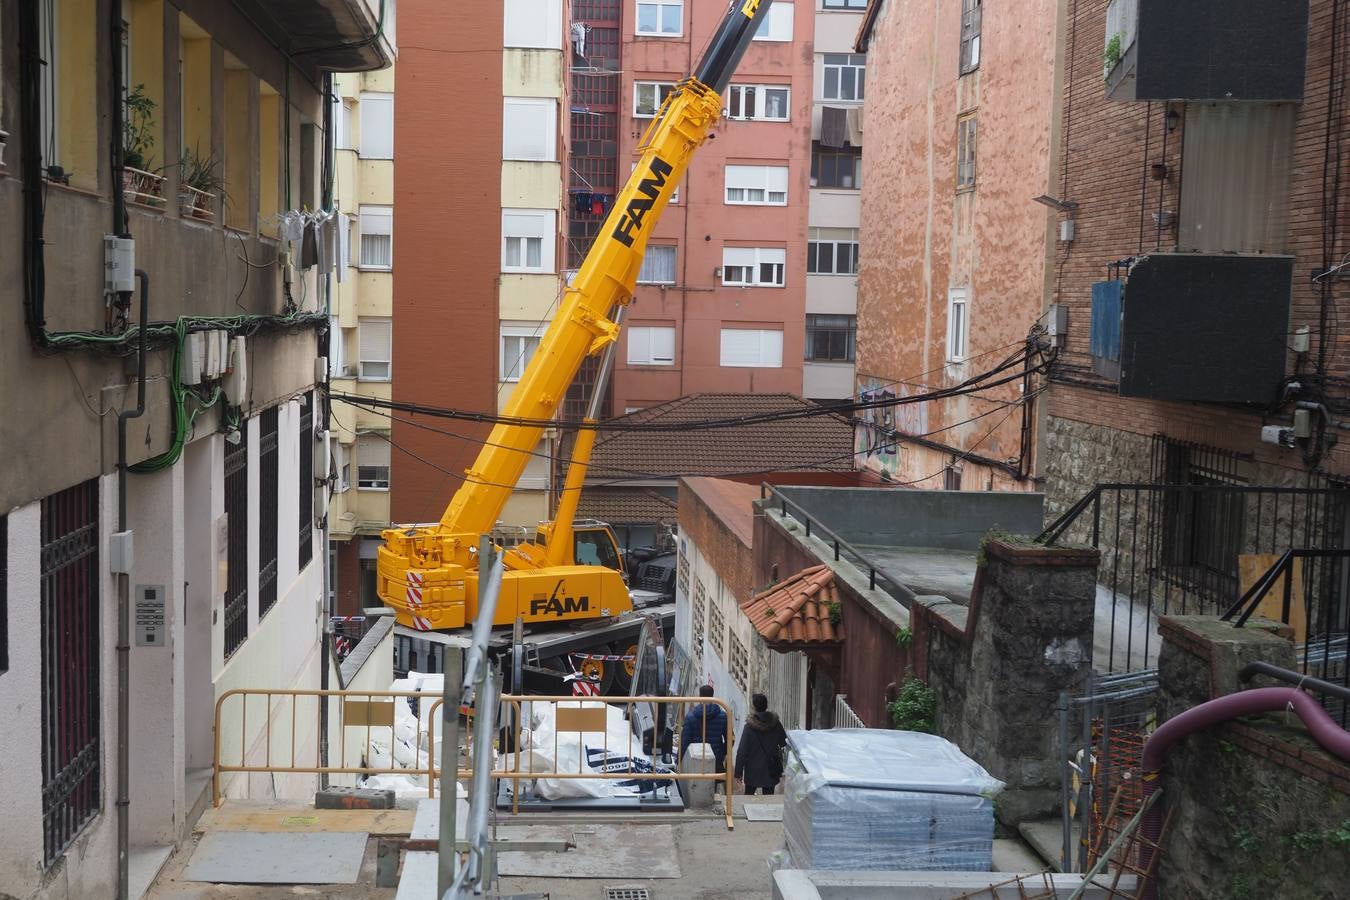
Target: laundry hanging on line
{"x": 590, "y": 203}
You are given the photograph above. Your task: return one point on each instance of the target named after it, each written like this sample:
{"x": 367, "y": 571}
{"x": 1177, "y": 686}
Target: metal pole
{"x": 480, "y": 798}
{"x": 489, "y": 589}
{"x": 1065, "y": 821}
{"x": 447, "y": 855}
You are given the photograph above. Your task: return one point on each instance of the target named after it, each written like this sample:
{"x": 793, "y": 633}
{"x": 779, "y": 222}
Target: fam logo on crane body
{"x": 750, "y": 8}
{"x": 558, "y": 604}
{"x": 636, "y": 211}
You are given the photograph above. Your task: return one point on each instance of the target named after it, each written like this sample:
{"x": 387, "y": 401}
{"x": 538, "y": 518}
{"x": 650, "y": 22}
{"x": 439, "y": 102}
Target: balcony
{"x": 1205, "y": 50}
{"x": 1200, "y": 327}
{"x": 338, "y": 35}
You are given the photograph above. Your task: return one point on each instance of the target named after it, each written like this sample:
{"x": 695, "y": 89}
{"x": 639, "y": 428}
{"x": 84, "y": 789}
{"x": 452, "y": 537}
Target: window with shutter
{"x": 528, "y": 240}
{"x": 752, "y": 348}
{"x": 529, "y": 129}
{"x": 377, "y": 126}
{"x": 377, "y": 237}
{"x": 658, "y": 265}
{"x": 376, "y": 338}
{"x": 970, "y": 35}
{"x": 651, "y": 345}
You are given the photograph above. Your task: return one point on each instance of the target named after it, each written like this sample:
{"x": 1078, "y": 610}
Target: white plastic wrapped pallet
{"x": 545, "y": 749}
{"x": 865, "y": 798}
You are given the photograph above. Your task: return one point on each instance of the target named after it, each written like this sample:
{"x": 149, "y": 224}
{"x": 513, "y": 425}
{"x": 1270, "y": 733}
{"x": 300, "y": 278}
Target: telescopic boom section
{"x": 584, "y": 324}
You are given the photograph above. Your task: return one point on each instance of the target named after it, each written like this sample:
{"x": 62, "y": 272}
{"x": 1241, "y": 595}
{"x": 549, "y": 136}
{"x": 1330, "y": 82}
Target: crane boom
{"x": 428, "y": 573}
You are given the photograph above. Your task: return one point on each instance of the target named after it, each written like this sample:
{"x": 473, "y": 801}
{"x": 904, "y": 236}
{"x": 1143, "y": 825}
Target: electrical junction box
{"x": 1057, "y": 323}
{"x": 149, "y": 615}
{"x": 211, "y": 358}
{"x": 235, "y": 384}
{"x": 1066, "y": 230}
{"x": 119, "y": 264}
{"x": 192, "y": 361}
{"x": 320, "y": 369}
{"x": 121, "y": 552}
{"x": 323, "y": 448}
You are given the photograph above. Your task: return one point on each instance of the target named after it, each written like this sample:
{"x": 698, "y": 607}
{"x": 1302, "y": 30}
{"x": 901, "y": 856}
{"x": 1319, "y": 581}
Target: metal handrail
{"x": 1283, "y": 567}
{"x": 1306, "y": 682}
{"x": 905, "y": 596}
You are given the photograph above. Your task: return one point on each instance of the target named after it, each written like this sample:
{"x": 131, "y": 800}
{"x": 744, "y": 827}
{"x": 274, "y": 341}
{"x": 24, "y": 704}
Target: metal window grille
{"x": 1202, "y": 530}
{"x": 71, "y": 793}
{"x": 4, "y": 593}
{"x": 830, "y": 338}
{"x": 268, "y": 499}
{"x": 236, "y": 512}
{"x": 306, "y": 479}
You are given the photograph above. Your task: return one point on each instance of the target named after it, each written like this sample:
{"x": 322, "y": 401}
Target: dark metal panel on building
{"x": 1215, "y": 50}
{"x": 1105, "y": 343}
{"x": 1205, "y": 327}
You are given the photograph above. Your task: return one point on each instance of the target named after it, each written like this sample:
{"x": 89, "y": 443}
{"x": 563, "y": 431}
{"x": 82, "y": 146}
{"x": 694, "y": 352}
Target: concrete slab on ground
{"x": 1046, "y": 837}
{"x": 418, "y": 879}
{"x": 294, "y": 817}
{"x": 601, "y": 851}
{"x": 144, "y": 864}
{"x": 253, "y": 857}
{"x": 763, "y": 812}
{"x": 1012, "y": 855}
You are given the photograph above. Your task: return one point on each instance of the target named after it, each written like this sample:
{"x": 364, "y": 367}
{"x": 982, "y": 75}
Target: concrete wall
{"x": 955, "y": 520}
{"x": 922, "y": 236}
{"x": 1260, "y": 810}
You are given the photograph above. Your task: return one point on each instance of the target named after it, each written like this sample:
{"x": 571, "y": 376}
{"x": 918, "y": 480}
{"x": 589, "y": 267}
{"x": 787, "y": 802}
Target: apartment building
{"x": 164, "y": 261}
{"x": 361, "y": 329}
{"x": 721, "y": 299}
{"x": 479, "y": 194}
{"x": 954, "y": 247}
{"x": 839, "y": 83}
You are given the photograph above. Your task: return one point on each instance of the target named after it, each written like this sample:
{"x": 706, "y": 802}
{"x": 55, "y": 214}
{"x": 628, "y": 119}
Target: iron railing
{"x": 236, "y": 512}
{"x": 71, "y": 745}
{"x": 1178, "y": 549}
{"x": 842, "y": 548}
{"x": 267, "y": 512}
{"x": 844, "y": 716}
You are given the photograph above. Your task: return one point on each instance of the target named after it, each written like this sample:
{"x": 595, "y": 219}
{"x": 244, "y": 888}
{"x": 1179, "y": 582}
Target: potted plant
{"x": 139, "y": 181}
{"x": 199, "y": 182}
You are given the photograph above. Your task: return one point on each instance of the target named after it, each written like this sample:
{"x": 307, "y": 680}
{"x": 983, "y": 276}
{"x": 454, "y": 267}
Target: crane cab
{"x": 593, "y": 544}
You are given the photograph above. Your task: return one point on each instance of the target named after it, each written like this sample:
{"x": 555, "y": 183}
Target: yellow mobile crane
{"x": 429, "y": 574}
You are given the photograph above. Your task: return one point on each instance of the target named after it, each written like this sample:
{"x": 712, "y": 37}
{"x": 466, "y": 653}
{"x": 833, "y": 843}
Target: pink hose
{"x": 1326, "y": 732}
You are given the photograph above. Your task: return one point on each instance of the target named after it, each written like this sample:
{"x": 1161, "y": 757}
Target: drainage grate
{"x": 627, "y": 893}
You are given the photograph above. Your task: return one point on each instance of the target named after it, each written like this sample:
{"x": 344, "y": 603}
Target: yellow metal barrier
{"x": 370, "y": 717}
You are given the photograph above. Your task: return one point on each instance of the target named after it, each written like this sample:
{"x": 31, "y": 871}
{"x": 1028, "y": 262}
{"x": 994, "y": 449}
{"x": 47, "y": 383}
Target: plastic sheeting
{"x": 863, "y": 798}
{"x": 545, "y": 749}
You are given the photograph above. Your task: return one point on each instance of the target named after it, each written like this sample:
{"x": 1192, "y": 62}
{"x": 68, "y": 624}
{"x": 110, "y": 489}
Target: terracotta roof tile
{"x": 626, "y": 506}
{"x": 815, "y": 443}
{"x": 796, "y": 610}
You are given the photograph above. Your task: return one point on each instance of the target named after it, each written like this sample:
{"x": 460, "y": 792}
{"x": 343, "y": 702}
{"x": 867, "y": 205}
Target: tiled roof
{"x": 820, "y": 443}
{"x": 626, "y": 506}
{"x": 797, "y": 610}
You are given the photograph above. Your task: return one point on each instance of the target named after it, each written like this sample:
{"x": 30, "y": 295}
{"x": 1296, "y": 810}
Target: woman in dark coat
{"x": 759, "y": 755}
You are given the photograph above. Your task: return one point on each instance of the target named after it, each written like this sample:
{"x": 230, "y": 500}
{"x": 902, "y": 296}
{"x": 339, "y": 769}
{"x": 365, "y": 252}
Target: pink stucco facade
{"x": 698, "y": 305}
{"x": 924, "y": 236}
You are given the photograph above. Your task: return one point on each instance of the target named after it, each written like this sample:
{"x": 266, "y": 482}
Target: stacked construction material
{"x": 865, "y": 798}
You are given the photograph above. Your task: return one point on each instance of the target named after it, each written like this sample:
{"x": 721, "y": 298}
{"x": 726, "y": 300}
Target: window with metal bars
{"x": 268, "y": 498}
{"x": 236, "y": 516}
{"x": 71, "y": 744}
{"x": 306, "y": 480}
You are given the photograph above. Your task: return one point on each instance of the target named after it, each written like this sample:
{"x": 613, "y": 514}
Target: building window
{"x": 530, "y": 129}
{"x": 845, "y": 75}
{"x": 663, "y": 18}
{"x": 700, "y": 619}
{"x": 658, "y": 265}
{"x": 533, "y": 23}
{"x": 832, "y": 251}
{"x": 528, "y": 240}
{"x": 337, "y": 349}
{"x": 72, "y": 754}
{"x": 836, "y": 168}
{"x": 372, "y": 462}
{"x": 758, "y": 102}
{"x": 648, "y": 97}
{"x": 777, "y": 23}
{"x": 236, "y": 516}
{"x": 377, "y": 126}
{"x": 757, "y": 185}
{"x": 269, "y": 159}
{"x": 518, "y": 345}
{"x": 269, "y": 498}
{"x": 1228, "y": 144}
{"x": 305, "y": 482}
{"x": 754, "y": 348}
{"x": 239, "y": 155}
{"x": 846, "y": 4}
{"x": 753, "y": 266}
{"x": 377, "y": 237}
{"x": 956, "y": 325}
{"x": 717, "y": 630}
{"x": 970, "y": 35}
{"x": 194, "y": 88}
{"x": 69, "y": 92}
{"x": 342, "y": 124}
{"x": 738, "y": 662}
{"x": 376, "y": 340}
{"x": 651, "y": 345}
{"x": 830, "y": 338}
{"x": 965, "y": 152}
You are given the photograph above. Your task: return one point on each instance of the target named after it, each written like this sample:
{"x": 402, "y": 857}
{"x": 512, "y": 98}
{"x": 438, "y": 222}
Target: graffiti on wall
{"x": 875, "y": 434}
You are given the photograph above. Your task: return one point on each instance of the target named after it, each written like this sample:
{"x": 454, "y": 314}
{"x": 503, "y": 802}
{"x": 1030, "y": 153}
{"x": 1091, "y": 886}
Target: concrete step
{"x": 1046, "y": 837}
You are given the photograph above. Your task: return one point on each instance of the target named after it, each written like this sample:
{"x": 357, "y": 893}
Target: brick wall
{"x": 1108, "y": 148}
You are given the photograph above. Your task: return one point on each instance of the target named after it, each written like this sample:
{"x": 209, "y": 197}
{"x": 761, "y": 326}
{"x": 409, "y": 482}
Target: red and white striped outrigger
{"x": 414, "y": 597}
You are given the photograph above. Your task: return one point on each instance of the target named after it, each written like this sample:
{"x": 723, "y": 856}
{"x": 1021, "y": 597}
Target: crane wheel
{"x": 626, "y": 667}
{"x": 600, "y": 670}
